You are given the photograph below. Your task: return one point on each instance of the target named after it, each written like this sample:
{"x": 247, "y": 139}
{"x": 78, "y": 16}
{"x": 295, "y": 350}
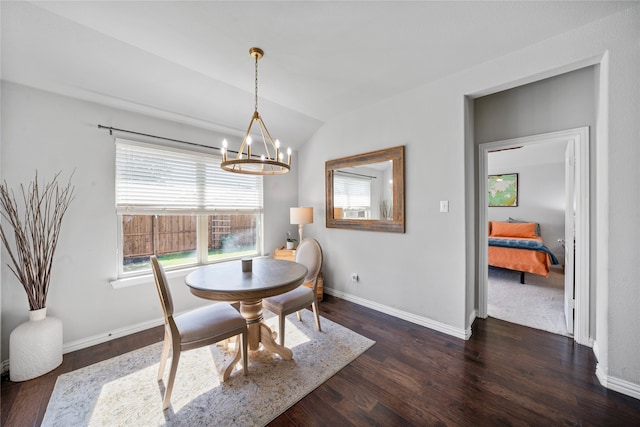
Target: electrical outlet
{"x": 354, "y": 277}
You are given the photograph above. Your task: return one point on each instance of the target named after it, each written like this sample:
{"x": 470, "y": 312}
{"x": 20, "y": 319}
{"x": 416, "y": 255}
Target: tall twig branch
{"x": 35, "y": 233}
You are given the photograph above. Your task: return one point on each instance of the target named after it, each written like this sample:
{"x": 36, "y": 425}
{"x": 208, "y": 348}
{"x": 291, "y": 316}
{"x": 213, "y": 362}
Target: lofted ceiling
{"x": 188, "y": 60}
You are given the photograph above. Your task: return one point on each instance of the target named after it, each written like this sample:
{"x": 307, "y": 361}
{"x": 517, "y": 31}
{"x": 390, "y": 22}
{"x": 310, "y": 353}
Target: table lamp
{"x": 301, "y": 216}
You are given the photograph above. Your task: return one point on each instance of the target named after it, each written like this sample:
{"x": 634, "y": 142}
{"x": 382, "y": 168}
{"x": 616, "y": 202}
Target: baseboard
{"x": 624, "y": 387}
{"x": 472, "y": 317}
{"x": 616, "y": 384}
{"x": 108, "y": 336}
{"x": 100, "y": 338}
{"x": 596, "y": 349}
{"x": 410, "y": 317}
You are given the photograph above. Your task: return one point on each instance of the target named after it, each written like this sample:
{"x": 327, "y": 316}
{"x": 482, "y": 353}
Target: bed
{"x": 518, "y": 246}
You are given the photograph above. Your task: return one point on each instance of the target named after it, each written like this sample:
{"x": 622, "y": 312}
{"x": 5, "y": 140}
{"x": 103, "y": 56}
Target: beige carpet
{"x": 123, "y": 391}
{"x": 539, "y": 303}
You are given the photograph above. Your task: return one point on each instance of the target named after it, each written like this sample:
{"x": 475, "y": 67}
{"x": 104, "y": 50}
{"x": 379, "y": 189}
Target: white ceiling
{"x": 189, "y": 61}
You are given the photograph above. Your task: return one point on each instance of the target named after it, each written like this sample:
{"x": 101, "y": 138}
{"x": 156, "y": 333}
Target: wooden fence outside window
{"x": 145, "y": 235}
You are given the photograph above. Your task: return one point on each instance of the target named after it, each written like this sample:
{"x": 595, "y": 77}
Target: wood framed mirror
{"x": 366, "y": 191}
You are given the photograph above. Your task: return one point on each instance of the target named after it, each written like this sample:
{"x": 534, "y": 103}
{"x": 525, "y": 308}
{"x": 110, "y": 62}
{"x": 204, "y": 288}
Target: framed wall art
{"x": 503, "y": 190}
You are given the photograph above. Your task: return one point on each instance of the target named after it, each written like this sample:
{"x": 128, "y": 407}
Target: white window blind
{"x": 152, "y": 179}
{"x": 351, "y": 192}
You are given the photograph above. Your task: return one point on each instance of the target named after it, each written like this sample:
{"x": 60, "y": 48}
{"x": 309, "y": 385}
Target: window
{"x": 353, "y": 195}
{"x": 182, "y": 207}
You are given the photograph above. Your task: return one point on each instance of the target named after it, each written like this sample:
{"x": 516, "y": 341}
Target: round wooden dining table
{"x": 226, "y": 281}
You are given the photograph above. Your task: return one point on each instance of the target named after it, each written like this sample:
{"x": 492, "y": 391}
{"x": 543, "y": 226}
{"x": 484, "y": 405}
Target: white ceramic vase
{"x": 290, "y": 245}
{"x": 35, "y": 347}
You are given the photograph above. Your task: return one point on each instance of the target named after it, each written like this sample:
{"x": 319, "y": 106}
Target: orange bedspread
{"x": 520, "y": 259}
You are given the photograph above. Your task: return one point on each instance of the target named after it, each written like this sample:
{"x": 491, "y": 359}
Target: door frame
{"x": 569, "y": 235}
{"x": 580, "y": 136}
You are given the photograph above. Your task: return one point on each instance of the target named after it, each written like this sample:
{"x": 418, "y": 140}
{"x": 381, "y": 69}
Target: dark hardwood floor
{"x": 504, "y": 375}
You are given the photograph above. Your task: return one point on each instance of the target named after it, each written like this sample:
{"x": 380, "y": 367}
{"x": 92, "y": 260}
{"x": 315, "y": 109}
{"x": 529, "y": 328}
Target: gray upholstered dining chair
{"x": 308, "y": 254}
{"x": 197, "y": 328}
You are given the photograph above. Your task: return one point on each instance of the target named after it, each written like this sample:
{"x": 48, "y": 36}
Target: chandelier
{"x": 270, "y": 161}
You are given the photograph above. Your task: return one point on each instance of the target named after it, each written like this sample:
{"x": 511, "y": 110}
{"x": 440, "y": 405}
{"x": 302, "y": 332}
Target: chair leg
{"x": 172, "y": 376}
{"x": 228, "y": 367}
{"x": 299, "y": 314}
{"x": 164, "y": 355}
{"x": 316, "y": 313}
{"x": 281, "y": 318}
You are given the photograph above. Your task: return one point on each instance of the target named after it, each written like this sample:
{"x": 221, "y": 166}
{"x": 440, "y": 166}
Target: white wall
{"x": 46, "y": 132}
{"x": 419, "y": 274}
{"x": 423, "y": 275}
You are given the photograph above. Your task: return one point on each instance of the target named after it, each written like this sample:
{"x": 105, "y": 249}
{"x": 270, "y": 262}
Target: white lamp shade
{"x": 301, "y": 215}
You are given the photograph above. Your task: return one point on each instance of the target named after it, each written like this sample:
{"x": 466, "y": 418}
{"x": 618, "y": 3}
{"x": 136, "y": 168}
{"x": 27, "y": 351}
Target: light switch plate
{"x": 444, "y": 206}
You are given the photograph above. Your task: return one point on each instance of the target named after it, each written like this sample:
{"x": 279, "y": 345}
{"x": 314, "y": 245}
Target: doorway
{"x": 576, "y": 298}
{"x": 535, "y": 298}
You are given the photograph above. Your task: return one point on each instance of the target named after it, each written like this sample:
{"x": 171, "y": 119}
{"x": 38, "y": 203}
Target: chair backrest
{"x": 163, "y": 289}
{"x": 309, "y": 254}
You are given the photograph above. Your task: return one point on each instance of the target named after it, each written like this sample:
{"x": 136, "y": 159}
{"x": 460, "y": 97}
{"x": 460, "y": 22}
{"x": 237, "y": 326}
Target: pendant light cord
{"x": 256, "y": 56}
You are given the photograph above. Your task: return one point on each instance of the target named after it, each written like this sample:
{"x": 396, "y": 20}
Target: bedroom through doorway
{"x": 515, "y": 292}
{"x": 576, "y": 229}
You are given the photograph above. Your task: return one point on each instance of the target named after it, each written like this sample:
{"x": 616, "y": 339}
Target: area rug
{"x": 123, "y": 391}
{"x": 538, "y": 303}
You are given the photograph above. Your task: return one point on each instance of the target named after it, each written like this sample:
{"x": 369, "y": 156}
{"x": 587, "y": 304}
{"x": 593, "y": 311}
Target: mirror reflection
{"x": 364, "y": 192}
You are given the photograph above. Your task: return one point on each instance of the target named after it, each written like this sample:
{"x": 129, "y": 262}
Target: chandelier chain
{"x": 256, "y": 83}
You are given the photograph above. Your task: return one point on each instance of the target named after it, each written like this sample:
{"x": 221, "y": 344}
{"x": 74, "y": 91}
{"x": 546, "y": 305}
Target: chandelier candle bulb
{"x": 289, "y": 156}
{"x": 225, "y": 144}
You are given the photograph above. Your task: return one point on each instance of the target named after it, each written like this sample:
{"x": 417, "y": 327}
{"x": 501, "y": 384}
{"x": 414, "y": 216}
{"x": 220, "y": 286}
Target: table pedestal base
{"x": 259, "y": 332}
{"x": 267, "y": 340}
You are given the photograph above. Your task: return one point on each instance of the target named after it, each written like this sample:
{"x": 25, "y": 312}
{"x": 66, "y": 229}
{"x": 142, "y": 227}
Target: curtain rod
{"x": 356, "y": 174}
{"x": 111, "y": 129}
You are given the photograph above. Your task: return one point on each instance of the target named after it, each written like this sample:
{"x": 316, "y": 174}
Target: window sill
{"x": 147, "y": 279}
{"x": 179, "y": 273}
